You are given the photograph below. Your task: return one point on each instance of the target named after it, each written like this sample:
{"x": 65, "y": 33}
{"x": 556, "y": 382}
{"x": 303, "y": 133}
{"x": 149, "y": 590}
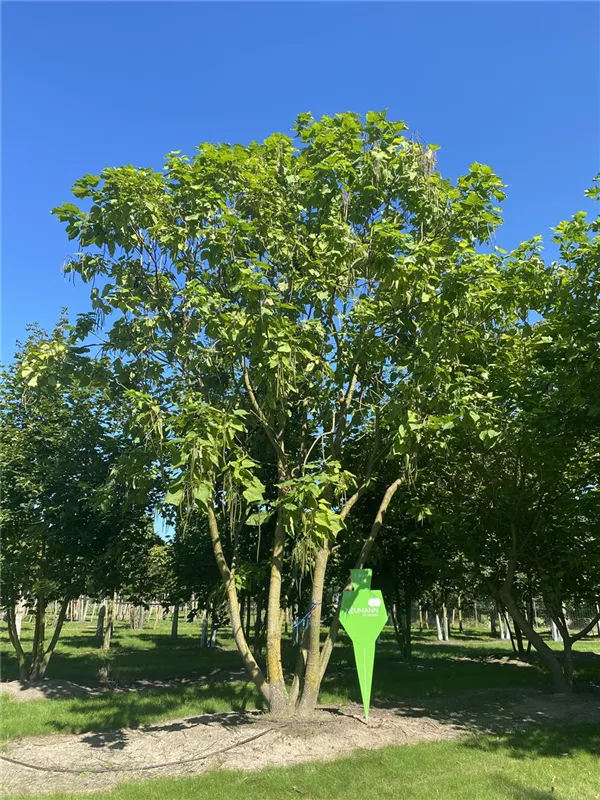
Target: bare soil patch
{"x": 255, "y": 740}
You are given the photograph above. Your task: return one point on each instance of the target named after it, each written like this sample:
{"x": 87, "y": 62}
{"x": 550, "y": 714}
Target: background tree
{"x": 58, "y": 448}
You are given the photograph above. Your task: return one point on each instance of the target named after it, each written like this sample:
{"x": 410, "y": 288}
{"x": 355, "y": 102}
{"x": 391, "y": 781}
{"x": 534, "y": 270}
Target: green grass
{"x": 562, "y": 763}
{"x": 466, "y": 663}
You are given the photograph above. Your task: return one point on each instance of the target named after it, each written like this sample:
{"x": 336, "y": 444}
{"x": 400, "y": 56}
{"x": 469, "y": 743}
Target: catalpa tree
{"x": 325, "y": 288}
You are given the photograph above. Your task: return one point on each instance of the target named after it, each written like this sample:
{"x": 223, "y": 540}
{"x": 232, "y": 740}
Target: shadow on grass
{"x": 542, "y": 742}
{"x": 130, "y": 710}
{"x": 515, "y": 791}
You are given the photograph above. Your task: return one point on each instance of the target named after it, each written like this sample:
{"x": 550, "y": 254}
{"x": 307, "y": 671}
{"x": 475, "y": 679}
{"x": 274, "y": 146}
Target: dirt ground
{"x": 254, "y": 740}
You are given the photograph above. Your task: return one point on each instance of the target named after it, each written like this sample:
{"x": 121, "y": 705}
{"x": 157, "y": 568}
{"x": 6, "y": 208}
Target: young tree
{"x": 326, "y": 289}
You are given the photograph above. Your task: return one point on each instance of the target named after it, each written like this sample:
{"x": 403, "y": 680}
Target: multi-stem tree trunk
{"x": 546, "y": 654}
{"x": 40, "y": 654}
{"x": 309, "y": 670}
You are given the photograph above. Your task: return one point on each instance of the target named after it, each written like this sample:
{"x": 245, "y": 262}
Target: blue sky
{"x": 89, "y": 85}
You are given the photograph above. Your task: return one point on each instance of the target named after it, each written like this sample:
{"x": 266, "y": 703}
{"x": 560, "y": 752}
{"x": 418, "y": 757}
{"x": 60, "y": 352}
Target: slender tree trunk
{"x": 568, "y": 663}
{"x": 16, "y": 642}
{"x": 228, "y": 579}
{"x": 312, "y": 675}
{"x": 100, "y": 623}
{"x": 243, "y": 603}
{"x": 109, "y": 621}
{"x": 408, "y": 617}
{"x": 258, "y": 625}
{"x": 175, "y": 622}
{"x": 519, "y": 638}
{"x": 440, "y": 634}
{"x": 214, "y": 627}
{"x": 278, "y": 696}
{"x": 39, "y": 637}
{"x": 509, "y": 633}
{"x": 204, "y": 628}
{"x": 460, "y": 615}
{"x": 397, "y": 628}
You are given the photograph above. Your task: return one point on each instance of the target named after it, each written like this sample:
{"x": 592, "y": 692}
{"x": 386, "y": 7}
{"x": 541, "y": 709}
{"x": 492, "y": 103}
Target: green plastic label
{"x": 360, "y": 578}
{"x": 363, "y": 616}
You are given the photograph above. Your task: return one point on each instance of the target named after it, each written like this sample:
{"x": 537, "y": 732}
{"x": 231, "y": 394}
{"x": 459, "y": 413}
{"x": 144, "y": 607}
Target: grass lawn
{"x": 562, "y": 763}
{"x": 466, "y": 663}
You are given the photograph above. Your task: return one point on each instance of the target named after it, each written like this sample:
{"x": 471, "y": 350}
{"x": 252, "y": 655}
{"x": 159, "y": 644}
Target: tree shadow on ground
{"x": 515, "y": 791}
{"x": 525, "y": 723}
{"x": 542, "y": 742}
{"x": 133, "y": 709}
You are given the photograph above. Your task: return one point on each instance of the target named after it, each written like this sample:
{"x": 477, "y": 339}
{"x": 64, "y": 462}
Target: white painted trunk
{"x": 204, "y": 629}
{"x": 556, "y": 637}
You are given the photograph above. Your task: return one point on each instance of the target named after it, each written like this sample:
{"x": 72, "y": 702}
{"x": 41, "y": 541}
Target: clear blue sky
{"x": 88, "y": 85}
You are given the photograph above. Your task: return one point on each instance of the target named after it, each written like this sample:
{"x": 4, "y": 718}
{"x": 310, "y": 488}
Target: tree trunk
{"x": 175, "y": 622}
{"x": 278, "y": 696}
{"x": 243, "y": 603}
{"x": 568, "y": 663}
{"x": 19, "y": 609}
{"x": 493, "y": 610}
{"x": 546, "y": 654}
{"x": 204, "y": 628}
{"x": 312, "y": 674}
{"x": 519, "y": 638}
{"x": 100, "y": 623}
{"x": 438, "y": 625}
{"x": 214, "y": 627}
{"x": 228, "y": 579}
{"x": 460, "y": 615}
{"x": 16, "y": 642}
{"x": 39, "y": 636}
{"x": 53, "y": 641}
{"x": 109, "y": 604}
{"x": 258, "y": 624}
{"x": 408, "y": 618}
{"x": 397, "y": 629}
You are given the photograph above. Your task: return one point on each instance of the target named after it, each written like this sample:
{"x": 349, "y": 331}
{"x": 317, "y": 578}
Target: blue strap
{"x": 307, "y": 615}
